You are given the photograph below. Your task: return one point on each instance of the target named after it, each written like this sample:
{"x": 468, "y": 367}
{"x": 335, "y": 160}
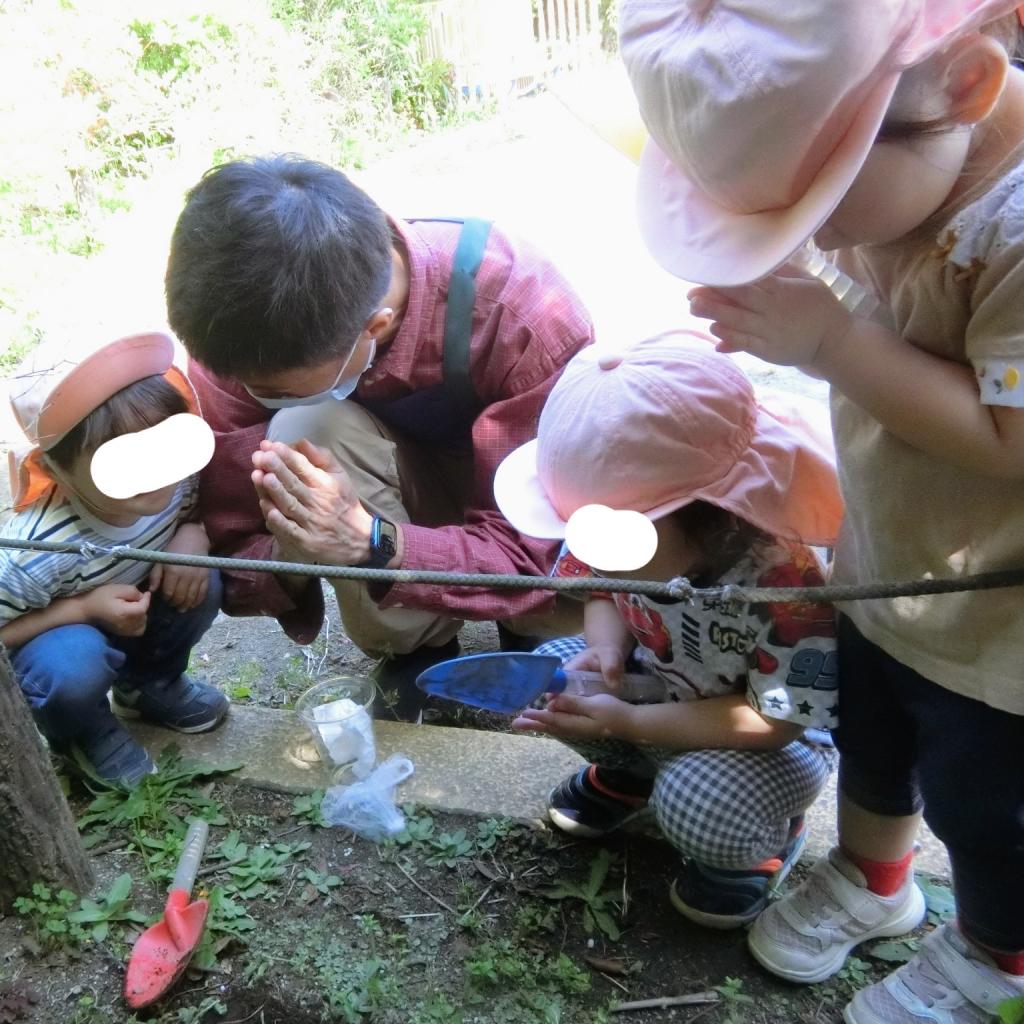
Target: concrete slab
{"x": 458, "y": 771}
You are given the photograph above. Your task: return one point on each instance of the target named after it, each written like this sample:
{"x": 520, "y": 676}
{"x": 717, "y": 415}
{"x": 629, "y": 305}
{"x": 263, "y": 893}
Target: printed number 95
{"x": 816, "y": 669}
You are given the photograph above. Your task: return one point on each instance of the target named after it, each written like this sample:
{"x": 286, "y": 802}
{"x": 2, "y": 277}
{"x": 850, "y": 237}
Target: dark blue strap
{"x": 458, "y": 318}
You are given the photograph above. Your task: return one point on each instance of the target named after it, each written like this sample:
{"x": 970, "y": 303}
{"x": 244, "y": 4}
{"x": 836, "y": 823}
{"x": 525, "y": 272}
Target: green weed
{"x": 317, "y": 883}
{"x": 262, "y": 866}
{"x": 597, "y": 901}
{"x": 735, "y": 1000}
{"x": 154, "y": 815}
{"x": 242, "y": 683}
{"x": 1011, "y": 1011}
{"x": 96, "y": 918}
{"x": 61, "y": 920}
{"x": 227, "y": 924}
{"x": 306, "y": 808}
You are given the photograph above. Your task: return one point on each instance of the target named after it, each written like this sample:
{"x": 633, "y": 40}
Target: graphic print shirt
{"x": 782, "y": 655}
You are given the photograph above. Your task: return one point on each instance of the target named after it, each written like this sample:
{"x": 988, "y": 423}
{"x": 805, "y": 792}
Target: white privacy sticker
{"x": 610, "y": 539}
{"x": 153, "y": 458}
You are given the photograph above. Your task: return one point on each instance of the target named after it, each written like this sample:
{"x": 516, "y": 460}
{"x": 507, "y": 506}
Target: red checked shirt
{"x": 527, "y": 324}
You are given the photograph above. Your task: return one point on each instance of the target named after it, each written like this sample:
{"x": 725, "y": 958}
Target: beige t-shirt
{"x": 956, "y": 289}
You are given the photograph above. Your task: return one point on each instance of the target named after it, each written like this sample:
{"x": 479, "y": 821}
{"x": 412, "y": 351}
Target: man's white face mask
{"x": 343, "y": 386}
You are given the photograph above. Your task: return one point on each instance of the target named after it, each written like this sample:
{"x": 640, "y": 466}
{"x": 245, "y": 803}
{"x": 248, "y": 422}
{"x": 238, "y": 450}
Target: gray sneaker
{"x": 112, "y": 756}
{"x": 949, "y": 981}
{"x": 807, "y": 935}
{"x": 185, "y": 705}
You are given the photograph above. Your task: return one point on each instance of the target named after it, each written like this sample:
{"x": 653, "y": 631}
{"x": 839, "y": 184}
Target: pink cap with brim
{"x": 762, "y": 114}
{"x": 668, "y": 422}
{"x": 50, "y": 402}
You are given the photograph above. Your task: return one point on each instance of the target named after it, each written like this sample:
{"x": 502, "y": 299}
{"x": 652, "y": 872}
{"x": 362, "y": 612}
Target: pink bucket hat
{"x": 668, "y": 422}
{"x": 761, "y": 114}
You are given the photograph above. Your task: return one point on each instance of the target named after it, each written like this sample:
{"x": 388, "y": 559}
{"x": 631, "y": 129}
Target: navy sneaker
{"x": 399, "y": 699}
{"x": 586, "y": 804}
{"x": 185, "y": 705}
{"x": 731, "y": 899}
{"x": 111, "y": 756}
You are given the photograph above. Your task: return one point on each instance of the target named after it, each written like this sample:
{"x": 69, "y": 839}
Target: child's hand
{"x": 608, "y": 659}
{"x": 183, "y": 586}
{"x": 787, "y": 318}
{"x": 118, "y": 608}
{"x": 599, "y": 717}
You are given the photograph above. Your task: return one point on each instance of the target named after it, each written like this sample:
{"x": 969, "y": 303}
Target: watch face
{"x": 386, "y": 541}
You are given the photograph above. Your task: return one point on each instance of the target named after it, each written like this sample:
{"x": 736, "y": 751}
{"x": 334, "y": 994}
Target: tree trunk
{"x": 38, "y": 837}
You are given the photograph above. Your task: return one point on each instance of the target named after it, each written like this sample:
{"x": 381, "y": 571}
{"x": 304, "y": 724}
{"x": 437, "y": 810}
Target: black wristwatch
{"x": 383, "y": 543}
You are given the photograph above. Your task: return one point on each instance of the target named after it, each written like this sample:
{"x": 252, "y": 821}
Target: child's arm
{"x": 118, "y": 607}
{"x": 727, "y": 723}
{"x": 609, "y": 642}
{"x": 929, "y": 402}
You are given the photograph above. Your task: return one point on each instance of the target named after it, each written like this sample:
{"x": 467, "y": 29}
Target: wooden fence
{"x": 502, "y": 48}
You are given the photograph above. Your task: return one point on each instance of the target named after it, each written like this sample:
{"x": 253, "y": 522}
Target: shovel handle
{"x": 191, "y": 855}
{"x": 635, "y": 687}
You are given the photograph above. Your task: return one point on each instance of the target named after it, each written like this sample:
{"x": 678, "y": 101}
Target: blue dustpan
{"x": 510, "y": 682}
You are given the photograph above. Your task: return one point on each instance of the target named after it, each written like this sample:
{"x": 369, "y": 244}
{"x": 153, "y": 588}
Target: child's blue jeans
{"x": 67, "y": 672}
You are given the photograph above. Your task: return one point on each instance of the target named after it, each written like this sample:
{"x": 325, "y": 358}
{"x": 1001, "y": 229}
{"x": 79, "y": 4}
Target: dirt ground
{"x": 254, "y": 662}
{"x": 457, "y": 921}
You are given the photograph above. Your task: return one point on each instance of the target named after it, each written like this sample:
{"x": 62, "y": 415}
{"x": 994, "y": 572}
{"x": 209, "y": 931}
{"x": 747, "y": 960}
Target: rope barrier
{"x": 679, "y": 588}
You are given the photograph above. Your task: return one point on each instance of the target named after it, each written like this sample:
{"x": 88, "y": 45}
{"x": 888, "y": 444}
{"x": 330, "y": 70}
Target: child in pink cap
{"x": 78, "y": 624}
{"x": 892, "y": 133}
{"x": 736, "y": 490}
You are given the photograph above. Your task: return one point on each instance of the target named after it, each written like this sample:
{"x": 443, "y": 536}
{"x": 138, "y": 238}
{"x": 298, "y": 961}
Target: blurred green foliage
{"x": 102, "y": 97}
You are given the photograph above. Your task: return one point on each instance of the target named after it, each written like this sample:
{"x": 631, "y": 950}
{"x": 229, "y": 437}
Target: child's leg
{"x": 152, "y": 683}
{"x": 973, "y": 787}
{"x": 613, "y": 788}
{"x": 864, "y": 889}
{"x": 161, "y": 654}
{"x": 66, "y": 673}
{"x": 737, "y": 815}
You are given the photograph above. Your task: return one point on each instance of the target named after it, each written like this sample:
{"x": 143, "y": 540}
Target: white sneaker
{"x": 808, "y": 934}
{"x": 949, "y": 981}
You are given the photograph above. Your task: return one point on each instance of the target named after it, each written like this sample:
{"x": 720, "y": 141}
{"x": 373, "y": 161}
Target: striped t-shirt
{"x": 32, "y": 579}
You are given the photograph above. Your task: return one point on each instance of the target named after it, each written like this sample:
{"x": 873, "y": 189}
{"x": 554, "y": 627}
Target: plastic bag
{"x": 368, "y": 807}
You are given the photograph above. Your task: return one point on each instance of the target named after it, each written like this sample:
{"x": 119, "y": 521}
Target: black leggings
{"x": 907, "y": 743}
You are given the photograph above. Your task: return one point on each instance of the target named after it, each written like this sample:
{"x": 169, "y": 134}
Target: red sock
{"x": 882, "y": 877}
{"x": 1010, "y": 963}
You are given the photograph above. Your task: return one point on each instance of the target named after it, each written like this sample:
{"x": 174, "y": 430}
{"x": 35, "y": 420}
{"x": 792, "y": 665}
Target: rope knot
{"x": 681, "y": 589}
{"x": 732, "y": 598}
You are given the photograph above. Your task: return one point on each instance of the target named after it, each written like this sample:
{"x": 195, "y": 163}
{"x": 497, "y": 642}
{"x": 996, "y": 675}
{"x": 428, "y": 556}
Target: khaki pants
{"x": 406, "y": 482}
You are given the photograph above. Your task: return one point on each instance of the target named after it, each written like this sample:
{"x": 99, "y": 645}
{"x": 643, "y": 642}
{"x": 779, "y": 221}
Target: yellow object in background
{"x": 603, "y": 100}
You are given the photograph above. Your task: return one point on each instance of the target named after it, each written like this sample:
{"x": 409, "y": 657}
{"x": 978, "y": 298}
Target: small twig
{"x": 181, "y": 995}
{"x": 614, "y": 981}
{"x": 701, "y": 1013}
{"x": 426, "y": 892}
{"x": 289, "y": 831}
{"x": 480, "y": 899}
{"x": 212, "y": 869}
{"x": 428, "y": 913}
{"x": 111, "y": 847}
{"x": 242, "y": 1020}
{"x": 697, "y": 999}
{"x": 295, "y": 867}
{"x": 625, "y": 886}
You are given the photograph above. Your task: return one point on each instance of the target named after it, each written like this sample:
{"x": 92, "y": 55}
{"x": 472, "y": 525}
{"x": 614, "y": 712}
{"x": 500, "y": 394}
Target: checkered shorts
{"x": 728, "y": 809}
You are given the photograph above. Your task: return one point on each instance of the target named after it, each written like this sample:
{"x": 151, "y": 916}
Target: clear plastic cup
{"x": 337, "y": 715}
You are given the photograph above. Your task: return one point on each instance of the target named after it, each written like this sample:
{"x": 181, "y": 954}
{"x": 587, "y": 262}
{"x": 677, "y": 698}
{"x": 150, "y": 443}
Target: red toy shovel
{"x": 164, "y": 949}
